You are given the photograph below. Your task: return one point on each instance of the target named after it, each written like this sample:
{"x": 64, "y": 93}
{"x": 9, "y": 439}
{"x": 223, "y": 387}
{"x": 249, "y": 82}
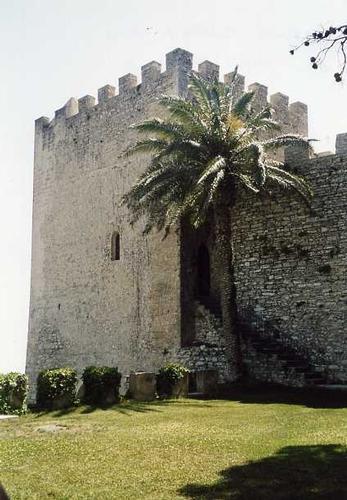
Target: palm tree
{"x": 208, "y": 149}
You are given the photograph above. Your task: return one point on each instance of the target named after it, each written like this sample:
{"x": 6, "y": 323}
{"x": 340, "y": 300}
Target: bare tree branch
{"x": 325, "y": 41}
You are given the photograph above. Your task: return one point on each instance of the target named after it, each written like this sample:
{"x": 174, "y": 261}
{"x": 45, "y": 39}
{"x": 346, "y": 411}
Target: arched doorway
{"x": 203, "y": 271}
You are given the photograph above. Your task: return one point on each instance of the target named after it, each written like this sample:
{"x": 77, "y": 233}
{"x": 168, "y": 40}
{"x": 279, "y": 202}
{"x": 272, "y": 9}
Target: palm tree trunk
{"x": 225, "y": 263}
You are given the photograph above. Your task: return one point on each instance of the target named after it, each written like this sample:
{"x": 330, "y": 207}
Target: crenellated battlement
{"x": 293, "y": 116}
{"x": 179, "y": 63}
{"x": 209, "y": 70}
{"x": 106, "y": 92}
{"x": 85, "y": 103}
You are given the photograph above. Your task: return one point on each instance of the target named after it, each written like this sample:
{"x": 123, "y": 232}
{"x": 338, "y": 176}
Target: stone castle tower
{"x": 102, "y": 293}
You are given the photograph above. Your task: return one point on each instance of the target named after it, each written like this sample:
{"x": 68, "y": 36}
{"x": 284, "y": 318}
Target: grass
{"x": 260, "y": 443}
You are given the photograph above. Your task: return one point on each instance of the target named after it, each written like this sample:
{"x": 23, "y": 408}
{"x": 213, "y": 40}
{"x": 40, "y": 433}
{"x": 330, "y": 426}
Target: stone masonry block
{"x": 179, "y": 59}
{"x": 142, "y": 386}
{"x": 41, "y": 122}
{"x": 206, "y": 381}
{"x": 209, "y": 70}
{"x": 106, "y": 92}
{"x": 86, "y": 102}
{"x": 238, "y": 84}
{"x": 341, "y": 144}
{"x": 70, "y": 109}
{"x": 298, "y": 118}
{"x": 279, "y": 103}
{"x": 150, "y": 72}
{"x": 127, "y": 82}
{"x": 260, "y": 95}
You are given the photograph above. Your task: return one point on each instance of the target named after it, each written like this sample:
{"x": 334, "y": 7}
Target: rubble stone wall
{"x": 291, "y": 264}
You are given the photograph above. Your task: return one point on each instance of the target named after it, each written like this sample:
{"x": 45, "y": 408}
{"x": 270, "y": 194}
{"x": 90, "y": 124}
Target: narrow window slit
{"x": 115, "y": 246}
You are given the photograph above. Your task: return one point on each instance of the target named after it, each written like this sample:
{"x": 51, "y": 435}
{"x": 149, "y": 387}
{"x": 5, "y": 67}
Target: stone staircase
{"x": 211, "y": 305}
{"x": 207, "y": 352}
{"x": 265, "y": 357}
{"x": 208, "y": 324}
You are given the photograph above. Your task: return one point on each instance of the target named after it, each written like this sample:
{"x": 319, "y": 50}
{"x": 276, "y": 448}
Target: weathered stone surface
{"x": 105, "y": 93}
{"x": 238, "y": 83}
{"x": 126, "y": 83}
{"x": 291, "y": 264}
{"x": 80, "y": 391}
{"x": 85, "y": 103}
{"x": 180, "y": 389}
{"x": 142, "y": 386}
{"x": 85, "y": 308}
{"x": 341, "y": 144}
{"x": 61, "y": 402}
{"x": 206, "y": 381}
{"x": 260, "y": 95}
{"x": 208, "y": 349}
{"x": 209, "y": 70}
{"x": 150, "y": 73}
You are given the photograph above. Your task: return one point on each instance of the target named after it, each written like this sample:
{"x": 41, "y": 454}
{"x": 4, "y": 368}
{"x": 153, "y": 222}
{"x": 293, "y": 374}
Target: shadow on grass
{"x": 314, "y": 397}
{"x": 125, "y": 408}
{"x": 294, "y": 472}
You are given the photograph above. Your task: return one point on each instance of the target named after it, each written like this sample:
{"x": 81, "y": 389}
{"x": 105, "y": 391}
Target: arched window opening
{"x": 115, "y": 246}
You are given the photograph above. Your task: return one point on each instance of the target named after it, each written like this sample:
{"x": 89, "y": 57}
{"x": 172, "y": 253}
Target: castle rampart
{"x": 178, "y": 65}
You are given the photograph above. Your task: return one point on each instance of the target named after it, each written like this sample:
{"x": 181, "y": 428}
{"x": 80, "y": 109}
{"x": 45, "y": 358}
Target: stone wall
{"x": 262, "y": 368}
{"x": 208, "y": 349}
{"x": 291, "y": 265}
{"x": 86, "y": 308}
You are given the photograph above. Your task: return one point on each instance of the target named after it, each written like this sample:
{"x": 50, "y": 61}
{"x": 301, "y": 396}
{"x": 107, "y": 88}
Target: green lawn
{"x": 258, "y": 444}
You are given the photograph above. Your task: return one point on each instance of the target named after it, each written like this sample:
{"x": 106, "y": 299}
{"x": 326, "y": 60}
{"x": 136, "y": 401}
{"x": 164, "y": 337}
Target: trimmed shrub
{"x": 56, "y": 388}
{"x": 168, "y": 377}
{"x": 13, "y": 393}
{"x": 101, "y": 385}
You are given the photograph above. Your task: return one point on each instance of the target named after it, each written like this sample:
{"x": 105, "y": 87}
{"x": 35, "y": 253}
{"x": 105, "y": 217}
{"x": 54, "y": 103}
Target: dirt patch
{"x": 51, "y": 428}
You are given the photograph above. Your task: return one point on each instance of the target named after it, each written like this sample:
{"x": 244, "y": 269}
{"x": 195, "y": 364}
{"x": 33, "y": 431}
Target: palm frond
{"x": 241, "y": 105}
{"x": 146, "y": 146}
{"x": 247, "y": 181}
{"x": 215, "y": 185}
{"x": 263, "y": 121}
{"x": 207, "y": 143}
{"x": 213, "y": 166}
{"x": 290, "y": 180}
{"x": 184, "y": 112}
{"x": 161, "y": 128}
{"x": 201, "y": 91}
{"x": 287, "y": 140}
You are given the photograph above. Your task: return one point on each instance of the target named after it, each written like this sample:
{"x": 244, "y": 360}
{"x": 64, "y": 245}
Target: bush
{"x": 13, "y": 393}
{"x": 101, "y": 384}
{"x": 56, "y": 388}
{"x": 168, "y": 376}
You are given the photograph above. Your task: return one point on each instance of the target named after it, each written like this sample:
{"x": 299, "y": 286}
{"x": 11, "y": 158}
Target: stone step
{"x": 313, "y": 375}
{"x": 274, "y": 350}
{"x": 215, "y": 314}
{"x": 297, "y": 363}
{"x": 299, "y": 369}
{"x": 289, "y": 357}
{"x": 211, "y": 305}
{"x": 315, "y": 381}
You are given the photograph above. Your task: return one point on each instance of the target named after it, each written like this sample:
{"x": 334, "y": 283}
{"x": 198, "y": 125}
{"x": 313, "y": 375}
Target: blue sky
{"x": 54, "y": 49}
